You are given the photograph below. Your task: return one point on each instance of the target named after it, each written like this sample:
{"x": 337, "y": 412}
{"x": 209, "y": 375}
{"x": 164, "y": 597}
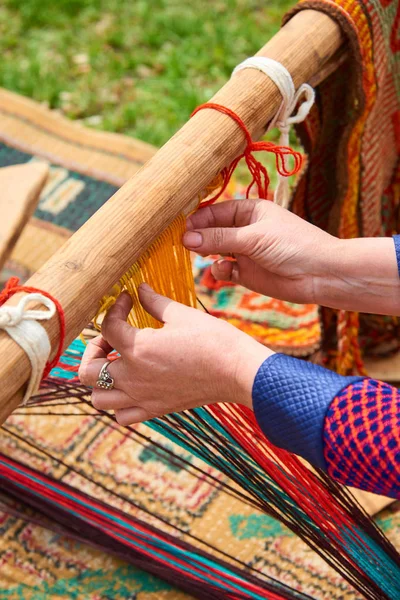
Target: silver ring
{"x": 105, "y": 381}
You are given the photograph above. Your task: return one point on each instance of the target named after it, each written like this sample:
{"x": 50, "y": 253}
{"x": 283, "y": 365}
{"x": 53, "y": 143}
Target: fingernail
{"x": 192, "y": 239}
{"x": 189, "y": 224}
{"x": 122, "y": 296}
{"x": 224, "y": 267}
{"x": 222, "y": 264}
{"x": 145, "y": 287}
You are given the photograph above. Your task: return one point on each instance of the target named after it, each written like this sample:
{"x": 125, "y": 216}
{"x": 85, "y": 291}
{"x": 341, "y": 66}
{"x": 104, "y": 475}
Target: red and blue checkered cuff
{"x": 362, "y": 437}
{"x": 396, "y": 239}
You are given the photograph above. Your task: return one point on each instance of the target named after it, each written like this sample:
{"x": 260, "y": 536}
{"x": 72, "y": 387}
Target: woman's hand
{"x": 195, "y": 359}
{"x": 277, "y": 253}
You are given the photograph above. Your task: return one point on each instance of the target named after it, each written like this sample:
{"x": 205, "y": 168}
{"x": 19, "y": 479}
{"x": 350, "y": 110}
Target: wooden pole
{"x": 97, "y": 255}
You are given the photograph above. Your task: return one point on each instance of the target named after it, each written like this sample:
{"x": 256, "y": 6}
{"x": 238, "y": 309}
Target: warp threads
{"x": 166, "y": 267}
{"x": 227, "y": 437}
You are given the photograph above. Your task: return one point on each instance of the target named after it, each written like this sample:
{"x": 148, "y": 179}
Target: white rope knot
{"x": 284, "y": 118}
{"x": 10, "y": 316}
{"x": 23, "y": 327}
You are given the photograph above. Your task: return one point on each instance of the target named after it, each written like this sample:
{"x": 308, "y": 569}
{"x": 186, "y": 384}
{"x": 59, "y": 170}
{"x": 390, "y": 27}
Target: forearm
{"x": 360, "y": 275}
{"x": 347, "y": 426}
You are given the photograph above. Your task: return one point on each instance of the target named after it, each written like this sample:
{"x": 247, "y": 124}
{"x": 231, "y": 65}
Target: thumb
{"x": 161, "y": 308}
{"x": 219, "y": 240}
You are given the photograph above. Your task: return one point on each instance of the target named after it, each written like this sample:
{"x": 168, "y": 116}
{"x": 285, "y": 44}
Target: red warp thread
{"x": 12, "y": 287}
{"x": 258, "y": 172}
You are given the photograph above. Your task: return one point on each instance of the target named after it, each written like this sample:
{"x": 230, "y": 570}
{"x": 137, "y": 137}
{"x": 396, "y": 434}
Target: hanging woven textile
{"x": 352, "y": 143}
{"x": 134, "y": 239}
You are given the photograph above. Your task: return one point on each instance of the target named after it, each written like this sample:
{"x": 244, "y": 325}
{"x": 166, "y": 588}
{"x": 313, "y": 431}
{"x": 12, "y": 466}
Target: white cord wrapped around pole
{"x": 23, "y": 327}
{"x": 284, "y": 118}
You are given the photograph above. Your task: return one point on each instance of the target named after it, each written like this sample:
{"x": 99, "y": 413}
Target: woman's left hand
{"x": 195, "y": 359}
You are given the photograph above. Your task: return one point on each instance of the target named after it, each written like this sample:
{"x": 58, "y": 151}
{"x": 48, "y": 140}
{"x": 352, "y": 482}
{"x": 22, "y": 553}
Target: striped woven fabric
{"x": 352, "y": 138}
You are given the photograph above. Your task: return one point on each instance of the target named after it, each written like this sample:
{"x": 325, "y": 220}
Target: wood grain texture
{"x": 97, "y": 255}
{"x": 20, "y": 188}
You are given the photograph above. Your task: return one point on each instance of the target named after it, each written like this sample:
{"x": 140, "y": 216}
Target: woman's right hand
{"x": 276, "y": 253}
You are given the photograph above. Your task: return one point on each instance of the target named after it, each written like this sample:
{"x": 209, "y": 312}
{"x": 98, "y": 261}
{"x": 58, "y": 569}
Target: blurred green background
{"x": 132, "y": 66}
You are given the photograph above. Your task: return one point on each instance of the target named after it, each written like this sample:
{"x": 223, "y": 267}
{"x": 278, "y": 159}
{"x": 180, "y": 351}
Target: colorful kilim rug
{"x": 283, "y": 326}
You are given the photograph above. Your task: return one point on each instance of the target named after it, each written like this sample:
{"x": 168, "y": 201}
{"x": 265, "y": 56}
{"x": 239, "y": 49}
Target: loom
{"x": 310, "y": 46}
{"x": 122, "y": 230}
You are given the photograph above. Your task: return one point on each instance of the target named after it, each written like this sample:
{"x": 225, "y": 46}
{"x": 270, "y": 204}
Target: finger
{"x": 111, "y": 399}
{"x": 161, "y": 308}
{"x": 129, "y": 416}
{"x": 89, "y": 371}
{"x": 233, "y": 213}
{"x": 226, "y": 270}
{"x": 245, "y": 272}
{"x": 220, "y": 240}
{"x": 97, "y": 349}
{"x": 118, "y": 333}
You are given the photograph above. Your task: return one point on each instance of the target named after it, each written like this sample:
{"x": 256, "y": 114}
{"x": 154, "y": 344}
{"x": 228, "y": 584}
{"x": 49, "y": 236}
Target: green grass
{"x": 137, "y": 67}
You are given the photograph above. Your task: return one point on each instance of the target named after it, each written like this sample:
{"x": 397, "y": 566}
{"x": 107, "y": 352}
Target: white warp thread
{"x": 23, "y": 327}
{"x": 284, "y": 118}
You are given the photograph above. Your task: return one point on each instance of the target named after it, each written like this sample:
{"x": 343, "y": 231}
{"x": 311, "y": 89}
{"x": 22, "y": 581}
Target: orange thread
{"x": 258, "y": 172}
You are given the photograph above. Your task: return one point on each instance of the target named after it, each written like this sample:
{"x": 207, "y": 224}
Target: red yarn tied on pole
{"x": 257, "y": 170}
{"x": 12, "y": 287}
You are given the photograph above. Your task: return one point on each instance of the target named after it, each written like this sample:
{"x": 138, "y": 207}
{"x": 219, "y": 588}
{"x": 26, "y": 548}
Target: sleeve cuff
{"x": 396, "y": 239}
{"x": 290, "y": 400}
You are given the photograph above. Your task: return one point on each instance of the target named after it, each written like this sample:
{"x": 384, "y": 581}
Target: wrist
{"x": 250, "y": 358}
{"x": 323, "y": 267}
{"x": 361, "y": 275}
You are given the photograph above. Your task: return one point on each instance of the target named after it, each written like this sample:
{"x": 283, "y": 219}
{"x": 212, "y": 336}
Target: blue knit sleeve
{"x": 290, "y": 399}
{"x": 396, "y": 239}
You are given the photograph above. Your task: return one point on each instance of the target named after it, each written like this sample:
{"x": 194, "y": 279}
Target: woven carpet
{"x": 37, "y": 562}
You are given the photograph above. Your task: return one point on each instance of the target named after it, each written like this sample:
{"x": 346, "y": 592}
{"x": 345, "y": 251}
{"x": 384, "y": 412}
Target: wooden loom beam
{"x": 97, "y": 255}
